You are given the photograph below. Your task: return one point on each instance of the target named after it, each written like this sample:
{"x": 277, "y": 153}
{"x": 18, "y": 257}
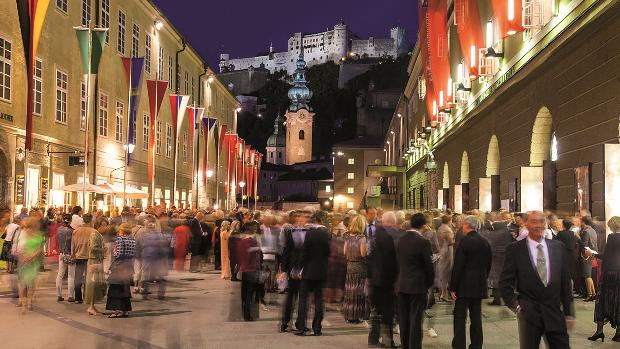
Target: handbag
{"x": 6, "y": 251}
{"x": 67, "y": 259}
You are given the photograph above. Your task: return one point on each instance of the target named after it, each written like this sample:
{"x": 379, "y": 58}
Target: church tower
{"x": 299, "y": 117}
{"x": 276, "y": 143}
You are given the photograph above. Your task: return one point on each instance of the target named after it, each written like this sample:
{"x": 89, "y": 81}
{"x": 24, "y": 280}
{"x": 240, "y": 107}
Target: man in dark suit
{"x": 415, "y": 276}
{"x": 499, "y": 237}
{"x": 381, "y": 277}
{"x": 536, "y": 268}
{"x": 316, "y": 253}
{"x": 292, "y": 262}
{"x": 468, "y": 284}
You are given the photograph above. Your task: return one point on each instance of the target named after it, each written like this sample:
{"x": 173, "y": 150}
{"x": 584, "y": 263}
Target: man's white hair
{"x": 473, "y": 222}
{"x": 389, "y": 218}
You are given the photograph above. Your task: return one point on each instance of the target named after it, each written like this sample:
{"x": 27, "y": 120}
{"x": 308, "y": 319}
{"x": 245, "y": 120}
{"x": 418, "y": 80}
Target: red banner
{"x": 231, "y": 142}
{"x": 471, "y": 37}
{"x": 156, "y": 90}
{"x": 508, "y": 16}
{"x": 239, "y": 150}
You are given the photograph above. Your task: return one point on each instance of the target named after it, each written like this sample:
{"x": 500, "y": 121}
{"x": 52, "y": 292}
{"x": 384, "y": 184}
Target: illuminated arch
{"x": 540, "y": 149}
{"x": 465, "y": 168}
{"x": 446, "y": 176}
{"x": 493, "y": 157}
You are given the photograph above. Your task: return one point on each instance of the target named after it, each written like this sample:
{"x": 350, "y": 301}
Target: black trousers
{"x": 80, "y": 278}
{"x": 308, "y": 287}
{"x": 410, "y": 314}
{"x": 461, "y": 306}
{"x": 530, "y": 335}
{"x": 381, "y": 314}
{"x": 248, "y": 295}
{"x": 291, "y": 297}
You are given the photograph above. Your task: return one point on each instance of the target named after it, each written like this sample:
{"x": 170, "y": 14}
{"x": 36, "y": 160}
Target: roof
{"x": 307, "y": 175}
{"x": 363, "y": 142}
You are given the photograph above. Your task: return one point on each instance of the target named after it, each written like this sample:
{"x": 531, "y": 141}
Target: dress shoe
{"x": 70, "y": 300}
{"x": 318, "y": 333}
{"x": 597, "y": 336}
{"x": 300, "y": 333}
{"x": 59, "y": 299}
{"x": 283, "y": 328}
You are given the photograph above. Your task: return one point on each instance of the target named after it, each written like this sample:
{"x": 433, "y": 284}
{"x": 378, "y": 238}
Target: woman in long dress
{"x": 121, "y": 271}
{"x": 354, "y": 305}
{"x": 95, "y": 281}
{"x": 607, "y": 307}
{"x": 445, "y": 236}
{"x": 336, "y": 264}
{"x": 181, "y": 236}
{"x": 224, "y": 236}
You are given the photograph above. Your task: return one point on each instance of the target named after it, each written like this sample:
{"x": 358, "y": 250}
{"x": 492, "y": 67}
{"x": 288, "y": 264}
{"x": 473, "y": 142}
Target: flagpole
{"x": 88, "y": 82}
{"x": 194, "y": 167}
{"x": 217, "y": 170}
{"x": 207, "y": 160}
{"x": 127, "y": 143}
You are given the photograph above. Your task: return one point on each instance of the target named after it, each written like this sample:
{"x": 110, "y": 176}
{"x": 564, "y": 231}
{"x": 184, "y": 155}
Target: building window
{"x": 160, "y": 64}
{"x": 350, "y": 204}
{"x": 38, "y": 87}
{"x": 147, "y": 53}
{"x": 271, "y": 155}
{"x": 5, "y": 69}
{"x": 62, "y": 5}
{"x": 279, "y": 155}
{"x": 145, "y": 132}
{"x": 328, "y": 188}
{"x": 170, "y": 72}
{"x": 350, "y": 190}
{"x": 193, "y": 88}
{"x": 103, "y": 115}
{"x": 118, "y": 130}
{"x": 168, "y": 140}
{"x": 351, "y": 161}
{"x": 120, "y": 42}
{"x": 105, "y": 17}
{"x": 61, "y": 96}
{"x": 83, "y": 105}
{"x": 135, "y": 40}
{"x": 350, "y": 175}
{"x": 302, "y": 134}
{"x": 158, "y": 138}
{"x": 85, "y": 12}
{"x": 185, "y": 143}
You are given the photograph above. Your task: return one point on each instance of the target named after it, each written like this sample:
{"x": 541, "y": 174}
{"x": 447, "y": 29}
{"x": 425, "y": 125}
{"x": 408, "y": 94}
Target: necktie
{"x": 541, "y": 264}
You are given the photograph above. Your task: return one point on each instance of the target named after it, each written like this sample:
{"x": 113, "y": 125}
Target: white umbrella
{"x": 130, "y": 192}
{"x": 89, "y": 188}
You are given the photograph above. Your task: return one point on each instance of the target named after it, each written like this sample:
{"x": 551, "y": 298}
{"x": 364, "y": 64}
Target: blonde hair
{"x": 225, "y": 226}
{"x": 614, "y": 223}
{"x": 357, "y": 225}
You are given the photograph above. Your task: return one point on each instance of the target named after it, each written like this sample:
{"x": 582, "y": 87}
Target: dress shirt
{"x": 299, "y": 236}
{"x": 523, "y": 233}
{"x": 533, "y": 248}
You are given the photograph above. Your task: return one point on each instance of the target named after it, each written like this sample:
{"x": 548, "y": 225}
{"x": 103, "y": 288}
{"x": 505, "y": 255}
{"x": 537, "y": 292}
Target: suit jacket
{"x": 382, "y": 260}
{"x": 567, "y": 237}
{"x": 292, "y": 257}
{"x": 316, "y": 253}
{"x": 416, "y": 273}
{"x": 472, "y": 264}
{"x": 544, "y": 307}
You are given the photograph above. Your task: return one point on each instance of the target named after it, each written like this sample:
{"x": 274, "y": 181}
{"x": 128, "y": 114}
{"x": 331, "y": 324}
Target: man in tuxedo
{"x": 536, "y": 268}
{"x": 415, "y": 276}
{"x": 292, "y": 262}
{"x": 371, "y": 228}
{"x": 499, "y": 238}
{"x": 468, "y": 284}
{"x": 381, "y": 277}
{"x": 315, "y": 255}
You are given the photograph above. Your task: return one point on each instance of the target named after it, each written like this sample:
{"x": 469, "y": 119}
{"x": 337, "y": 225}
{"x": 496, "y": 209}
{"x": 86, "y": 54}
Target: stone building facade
{"x": 542, "y": 133}
{"x": 36, "y": 179}
{"x": 328, "y": 46}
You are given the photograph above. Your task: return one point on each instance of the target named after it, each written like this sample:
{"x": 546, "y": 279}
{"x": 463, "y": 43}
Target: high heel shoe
{"x": 590, "y": 299}
{"x": 597, "y": 336}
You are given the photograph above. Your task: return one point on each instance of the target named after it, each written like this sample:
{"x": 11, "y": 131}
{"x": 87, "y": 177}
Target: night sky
{"x": 244, "y": 28}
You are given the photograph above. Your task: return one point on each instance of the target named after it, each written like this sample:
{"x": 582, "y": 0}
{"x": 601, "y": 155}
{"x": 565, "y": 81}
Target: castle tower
{"x": 276, "y": 143}
{"x": 299, "y": 117}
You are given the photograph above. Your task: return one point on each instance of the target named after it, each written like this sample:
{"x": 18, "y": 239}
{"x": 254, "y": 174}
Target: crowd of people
{"x": 385, "y": 269}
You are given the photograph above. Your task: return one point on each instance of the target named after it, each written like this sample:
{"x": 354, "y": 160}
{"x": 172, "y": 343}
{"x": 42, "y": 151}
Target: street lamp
{"x": 209, "y": 173}
{"x": 242, "y": 185}
{"x": 158, "y": 24}
{"x": 129, "y": 148}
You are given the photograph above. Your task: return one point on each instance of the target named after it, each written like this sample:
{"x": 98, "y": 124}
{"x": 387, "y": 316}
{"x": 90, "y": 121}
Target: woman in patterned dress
{"x": 354, "y": 306}
{"x": 121, "y": 271}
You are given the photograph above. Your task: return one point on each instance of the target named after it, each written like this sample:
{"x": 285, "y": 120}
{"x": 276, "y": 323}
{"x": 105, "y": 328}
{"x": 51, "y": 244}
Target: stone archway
{"x": 540, "y": 149}
{"x": 465, "y": 168}
{"x": 493, "y": 157}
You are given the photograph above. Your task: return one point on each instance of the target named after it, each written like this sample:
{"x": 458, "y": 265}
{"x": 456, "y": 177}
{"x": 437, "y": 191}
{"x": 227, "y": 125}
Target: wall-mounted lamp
{"x": 158, "y": 24}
